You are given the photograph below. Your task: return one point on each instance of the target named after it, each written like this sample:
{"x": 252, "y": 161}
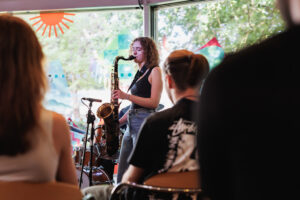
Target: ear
{"x": 169, "y": 81}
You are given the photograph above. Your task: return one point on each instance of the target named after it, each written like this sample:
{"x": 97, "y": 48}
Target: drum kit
{"x": 102, "y": 164}
{"x": 94, "y": 164}
{"x": 100, "y": 174}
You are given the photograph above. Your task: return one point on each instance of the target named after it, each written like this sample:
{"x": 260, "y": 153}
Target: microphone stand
{"x": 90, "y": 120}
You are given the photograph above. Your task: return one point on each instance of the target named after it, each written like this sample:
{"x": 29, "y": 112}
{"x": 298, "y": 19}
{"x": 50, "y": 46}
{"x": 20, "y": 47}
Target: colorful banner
{"x": 213, "y": 52}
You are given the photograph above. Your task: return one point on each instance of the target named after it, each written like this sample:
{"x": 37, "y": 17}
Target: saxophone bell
{"x": 105, "y": 110}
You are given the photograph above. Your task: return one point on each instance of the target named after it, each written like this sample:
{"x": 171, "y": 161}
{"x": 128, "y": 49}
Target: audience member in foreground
{"x": 34, "y": 142}
{"x": 249, "y": 118}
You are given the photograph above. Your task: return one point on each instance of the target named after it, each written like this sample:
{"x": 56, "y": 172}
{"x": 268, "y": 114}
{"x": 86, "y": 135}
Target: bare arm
{"x": 155, "y": 80}
{"x": 123, "y": 119}
{"x": 66, "y": 171}
{"x": 133, "y": 174}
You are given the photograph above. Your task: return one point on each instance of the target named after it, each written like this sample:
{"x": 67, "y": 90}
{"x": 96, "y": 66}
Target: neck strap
{"x": 138, "y": 74}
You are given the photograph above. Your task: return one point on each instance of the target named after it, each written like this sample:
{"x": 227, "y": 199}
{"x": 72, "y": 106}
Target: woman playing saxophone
{"x": 145, "y": 95}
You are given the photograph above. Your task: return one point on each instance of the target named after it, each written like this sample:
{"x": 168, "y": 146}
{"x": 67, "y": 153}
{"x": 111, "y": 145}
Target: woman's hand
{"x": 118, "y": 94}
{"x": 123, "y": 119}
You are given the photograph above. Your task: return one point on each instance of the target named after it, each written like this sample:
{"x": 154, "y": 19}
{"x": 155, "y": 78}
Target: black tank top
{"x": 142, "y": 88}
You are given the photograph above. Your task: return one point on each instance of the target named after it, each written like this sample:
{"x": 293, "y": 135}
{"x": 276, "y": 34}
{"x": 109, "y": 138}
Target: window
{"x": 233, "y": 24}
{"x": 80, "y": 51}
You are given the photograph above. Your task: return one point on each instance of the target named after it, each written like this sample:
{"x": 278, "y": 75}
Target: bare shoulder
{"x": 156, "y": 70}
{"x": 155, "y": 74}
{"x": 59, "y": 122}
{"x": 60, "y": 128}
{"x": 57, "y": 117}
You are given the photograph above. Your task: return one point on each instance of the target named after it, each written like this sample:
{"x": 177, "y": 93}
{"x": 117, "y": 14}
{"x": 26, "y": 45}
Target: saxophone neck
{"x": 131, "y": 57}
{"x": 115, "y": 69}
{"x": 118, "y": 58}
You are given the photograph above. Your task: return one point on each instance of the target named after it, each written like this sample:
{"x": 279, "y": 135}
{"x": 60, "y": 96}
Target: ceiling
{"x": 24, "y": 5}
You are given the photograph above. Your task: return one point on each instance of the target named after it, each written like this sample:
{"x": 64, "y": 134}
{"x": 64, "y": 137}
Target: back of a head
{"x": 187, "y": 69}
{"x": 22, "y": 83}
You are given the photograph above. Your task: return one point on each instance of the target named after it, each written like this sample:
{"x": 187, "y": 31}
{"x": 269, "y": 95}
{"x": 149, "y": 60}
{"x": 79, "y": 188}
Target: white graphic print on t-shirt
{"x": 182, "y": 147}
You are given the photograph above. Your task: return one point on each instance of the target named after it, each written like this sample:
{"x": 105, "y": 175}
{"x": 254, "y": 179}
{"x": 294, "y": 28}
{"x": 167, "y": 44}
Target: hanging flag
{"x": 213, "y": 52}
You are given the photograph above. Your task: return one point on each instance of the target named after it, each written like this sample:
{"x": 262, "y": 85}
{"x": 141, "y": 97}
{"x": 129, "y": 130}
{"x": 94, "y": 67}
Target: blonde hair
{"x": 22, "y": 83}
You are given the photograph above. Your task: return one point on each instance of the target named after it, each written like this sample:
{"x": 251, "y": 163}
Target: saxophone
{"x": 109, "y": 112}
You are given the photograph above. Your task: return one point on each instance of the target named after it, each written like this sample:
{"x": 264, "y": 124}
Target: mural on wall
{"x": 120, "y": 47}
{"x": 58, "y": 97}
{"x": 77, "y": 134}
{"x": 51, "y": 20}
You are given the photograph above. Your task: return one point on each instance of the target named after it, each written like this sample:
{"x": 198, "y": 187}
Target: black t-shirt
{"x": 167, "y": 141}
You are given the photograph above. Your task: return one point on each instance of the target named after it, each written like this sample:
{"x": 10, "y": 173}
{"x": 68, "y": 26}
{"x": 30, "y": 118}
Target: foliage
{"x": 235, "y": 23}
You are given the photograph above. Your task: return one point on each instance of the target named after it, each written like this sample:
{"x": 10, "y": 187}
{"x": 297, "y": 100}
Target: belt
{"x": 141, "y": 109}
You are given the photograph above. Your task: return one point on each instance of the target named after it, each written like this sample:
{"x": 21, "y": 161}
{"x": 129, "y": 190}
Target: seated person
{"x": 166, "y": 141}
{"x": 35, "y": 143}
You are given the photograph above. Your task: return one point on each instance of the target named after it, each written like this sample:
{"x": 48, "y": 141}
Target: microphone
{"x": 91, "y": 99}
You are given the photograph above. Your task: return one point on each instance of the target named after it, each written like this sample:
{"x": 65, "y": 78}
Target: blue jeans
{"x": 135, "y": 119}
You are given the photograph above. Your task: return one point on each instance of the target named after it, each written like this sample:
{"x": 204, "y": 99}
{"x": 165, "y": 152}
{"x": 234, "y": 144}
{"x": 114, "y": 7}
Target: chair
{"x": 185, "y": 185}
{"x": 189, "y": 179}
{"x": 37, "y": 191}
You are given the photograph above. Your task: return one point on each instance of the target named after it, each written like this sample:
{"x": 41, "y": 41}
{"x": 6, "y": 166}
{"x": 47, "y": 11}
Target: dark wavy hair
{"x": 187, "y": 69}
{"x": 150, "y": 51}
{"x": 22, "y": 84}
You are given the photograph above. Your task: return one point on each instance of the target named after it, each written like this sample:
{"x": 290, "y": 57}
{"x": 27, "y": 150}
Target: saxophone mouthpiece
{"x": 131, "y": 57}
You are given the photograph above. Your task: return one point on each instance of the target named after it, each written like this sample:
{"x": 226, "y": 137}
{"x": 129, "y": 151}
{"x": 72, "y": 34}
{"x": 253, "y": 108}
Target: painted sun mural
{"x": 51, "y": 20}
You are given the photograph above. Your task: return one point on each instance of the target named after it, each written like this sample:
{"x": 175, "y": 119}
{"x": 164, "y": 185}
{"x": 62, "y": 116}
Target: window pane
{"x": 80, "y": 49}
{"x": 235, "y": 24}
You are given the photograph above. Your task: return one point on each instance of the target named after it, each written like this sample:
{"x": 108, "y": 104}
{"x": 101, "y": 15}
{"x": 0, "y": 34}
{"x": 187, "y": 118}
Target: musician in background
{"x": 35, "y": 143}
{"x": 145, "y": 95}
